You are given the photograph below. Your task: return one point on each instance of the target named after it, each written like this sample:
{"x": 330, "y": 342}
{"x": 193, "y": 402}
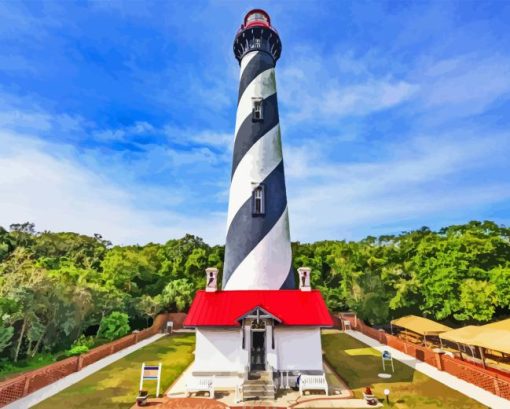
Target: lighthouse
{"x": 259, "y": 333}
{"x": 257, "y": 250}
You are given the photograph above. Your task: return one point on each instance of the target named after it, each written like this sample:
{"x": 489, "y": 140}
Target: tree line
{"x": 57, "y": 289}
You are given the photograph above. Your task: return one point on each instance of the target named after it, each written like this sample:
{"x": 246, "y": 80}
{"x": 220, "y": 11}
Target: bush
{"x": 77, "y": 350}
{"x": 83, "y": 340}
{"x": 114, "y": 326}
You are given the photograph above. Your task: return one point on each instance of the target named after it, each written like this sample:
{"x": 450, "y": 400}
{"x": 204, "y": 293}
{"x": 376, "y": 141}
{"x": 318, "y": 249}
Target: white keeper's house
{"x": 242, "y": 332}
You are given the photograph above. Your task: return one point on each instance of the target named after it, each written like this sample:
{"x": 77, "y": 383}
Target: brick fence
{"x": 495, "y": 383}
{"x": 28, "y": 382}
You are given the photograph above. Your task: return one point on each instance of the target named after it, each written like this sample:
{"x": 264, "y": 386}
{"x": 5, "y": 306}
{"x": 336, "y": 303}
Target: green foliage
{"x": 114, "y": 325}
{"x": 54, "y": 287}
{"x": 177, "y": 294}
{"x": 460, "y": 273}
{"x": 77, "y": 350}
{"x": 84, "y": 341}
{"x": 6, "y": 334}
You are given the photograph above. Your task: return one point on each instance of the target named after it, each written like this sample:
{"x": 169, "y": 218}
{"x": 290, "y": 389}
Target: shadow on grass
{"x": 116, "y": 386}
{"x": 357, "y": 368}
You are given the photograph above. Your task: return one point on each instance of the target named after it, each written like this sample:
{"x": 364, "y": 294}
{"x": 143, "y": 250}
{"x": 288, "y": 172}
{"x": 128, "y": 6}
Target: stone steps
{"x": 259, "y": 387}
{"x": 263, "y": 395}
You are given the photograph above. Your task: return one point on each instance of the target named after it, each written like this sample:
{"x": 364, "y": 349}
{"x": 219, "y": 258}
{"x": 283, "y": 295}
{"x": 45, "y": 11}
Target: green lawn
{"x": 359, "y": 365}
{"x": 116, "y": 386}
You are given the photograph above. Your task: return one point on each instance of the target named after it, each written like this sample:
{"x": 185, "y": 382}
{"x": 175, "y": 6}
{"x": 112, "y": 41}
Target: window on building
{"x": 257, "y": 42}
{"x": 259, "y": 201}
{"x": 257, "y": 109}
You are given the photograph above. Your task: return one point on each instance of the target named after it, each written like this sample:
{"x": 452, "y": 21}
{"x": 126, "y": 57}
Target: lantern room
{"x": 257, "y": 18}
{"x": 257, "y": 34}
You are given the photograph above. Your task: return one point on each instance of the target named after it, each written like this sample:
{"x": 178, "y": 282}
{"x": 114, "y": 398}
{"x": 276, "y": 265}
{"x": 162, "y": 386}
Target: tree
{"x": 149, "y": 306}
{"x": 114, "y": 326}
{"x": 6, "y": 334}
{"x": 177, "y": 295}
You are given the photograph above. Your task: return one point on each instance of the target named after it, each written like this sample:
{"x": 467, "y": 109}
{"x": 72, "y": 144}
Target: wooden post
{"x": 460, "y": 352}
{"x": 159, "y": 381}
{"x": 439, "y": 361}
{"x": 80, "y": 363}
{"x": 496, "y": 387}
{"x": 141, "y": 377}
{"x": 482, "y": 356}
{"x": 26, "y": 387}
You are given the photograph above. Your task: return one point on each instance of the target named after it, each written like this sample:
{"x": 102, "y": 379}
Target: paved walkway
{"x": 466, "y": 388}
{"x": 58, "y": 386}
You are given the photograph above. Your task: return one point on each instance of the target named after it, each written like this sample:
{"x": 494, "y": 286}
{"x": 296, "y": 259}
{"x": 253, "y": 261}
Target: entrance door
{"x": 258, "y": 350}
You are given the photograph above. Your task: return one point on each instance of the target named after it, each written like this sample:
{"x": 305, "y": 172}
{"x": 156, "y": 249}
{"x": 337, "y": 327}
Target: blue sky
{"x": 118, "y": 117}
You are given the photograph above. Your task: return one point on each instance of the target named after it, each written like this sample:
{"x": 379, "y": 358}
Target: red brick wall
{"x": 490, "y": 381}
{"x": 49, "y": 374}
{"x": 11, "y": 390}
{"x": 16, "y": 388}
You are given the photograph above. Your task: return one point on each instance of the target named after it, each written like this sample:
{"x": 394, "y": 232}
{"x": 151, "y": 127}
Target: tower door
{"x": 258, "y": 350}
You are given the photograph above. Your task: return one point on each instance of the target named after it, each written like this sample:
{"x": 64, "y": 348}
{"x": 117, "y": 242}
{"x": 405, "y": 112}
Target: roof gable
{"x": 256, "y": 311}
{"x": 227, "y": 308}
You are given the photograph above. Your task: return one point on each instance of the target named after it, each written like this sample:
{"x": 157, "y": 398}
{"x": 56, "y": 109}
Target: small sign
{"x": 386, "y": 356}
{"x": 151, "y": 373}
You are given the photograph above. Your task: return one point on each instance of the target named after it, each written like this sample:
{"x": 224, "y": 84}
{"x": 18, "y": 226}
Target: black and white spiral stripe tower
{"x": 258, "y": 251}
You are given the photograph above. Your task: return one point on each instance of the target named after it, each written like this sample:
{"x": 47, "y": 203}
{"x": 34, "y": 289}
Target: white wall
{"x": 218, "y": 350}
{"x": 271, "y": 354}
{"x": 298, "y": 348}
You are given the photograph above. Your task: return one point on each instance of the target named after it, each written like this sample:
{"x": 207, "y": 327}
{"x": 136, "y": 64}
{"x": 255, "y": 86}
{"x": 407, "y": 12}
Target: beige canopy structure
{"x": 504, "y": 325}
{"x": 463, "y": 335}
{"x": 420, "y": 325}
{"x": 495, "y": 336}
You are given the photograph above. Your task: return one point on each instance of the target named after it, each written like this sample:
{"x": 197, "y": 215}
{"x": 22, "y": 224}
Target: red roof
{"x": 290, "y": 307}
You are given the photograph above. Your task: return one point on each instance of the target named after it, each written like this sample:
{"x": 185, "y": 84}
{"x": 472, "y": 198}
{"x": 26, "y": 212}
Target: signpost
{"x": 169, "y": 327}
{"x": 151, "y": 373}
{"x": 386, "y": 356}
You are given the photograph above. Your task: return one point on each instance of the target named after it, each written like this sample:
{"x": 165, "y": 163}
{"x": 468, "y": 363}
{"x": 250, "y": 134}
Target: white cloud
{"x": 439, "y": 176}
{"x": 58, "y": 194}
{"x": 207, "y": 137}
{"x": 465, "y": 84}
{"x": 327, "y": 89}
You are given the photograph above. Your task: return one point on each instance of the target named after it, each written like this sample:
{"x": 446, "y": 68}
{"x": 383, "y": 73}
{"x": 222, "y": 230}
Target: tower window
{"x": 259, "y": 200}
{"x": 257, "y": 109}
{"x": 257, "y": 42}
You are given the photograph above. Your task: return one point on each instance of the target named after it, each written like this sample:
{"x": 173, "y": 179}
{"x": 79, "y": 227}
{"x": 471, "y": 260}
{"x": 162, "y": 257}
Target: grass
{"x": 116, "y": 386}
{"x": 10, "y": 369}
{"x": 359, "y": 365}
